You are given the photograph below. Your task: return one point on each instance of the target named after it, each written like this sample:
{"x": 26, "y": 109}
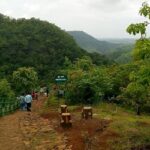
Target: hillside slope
{"x": 116, "y": 50}
{"x": 90, "y": 43}
{"x": 35, "y": 43}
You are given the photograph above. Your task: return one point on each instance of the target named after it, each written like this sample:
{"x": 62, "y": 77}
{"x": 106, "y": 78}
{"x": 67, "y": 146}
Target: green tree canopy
{"x": 140, "y": 28}
{"x": 6, "y": 93}
{"x": 25, "y": 79}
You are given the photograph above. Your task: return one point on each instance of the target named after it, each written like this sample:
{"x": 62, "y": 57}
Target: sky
{"x": 100, "y": 18}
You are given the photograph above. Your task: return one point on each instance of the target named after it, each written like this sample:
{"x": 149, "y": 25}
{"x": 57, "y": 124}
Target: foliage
{"x": 142, "y": 50}
{"x": 25, "y": 80}
{"x": 140, "y": 27}
{"x": 120, "y": 77}
{"x": 99, "y": 59}
{"x": 136, "y": 92}
{"x": 121, "y": 56}
{"x": 138, "y": 88}
{"x": 145, "y": 10}
{"x": 142, "y": 76}
{"x": 85, "y": 63}
{"x": 6, "y": 93}
{"x": 87, "y": 83}
{"x": 137, "y": 28}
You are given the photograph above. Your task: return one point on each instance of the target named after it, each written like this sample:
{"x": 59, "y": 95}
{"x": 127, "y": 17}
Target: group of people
{"x": 44, "y": 91}
{"x": 26, "y": 101}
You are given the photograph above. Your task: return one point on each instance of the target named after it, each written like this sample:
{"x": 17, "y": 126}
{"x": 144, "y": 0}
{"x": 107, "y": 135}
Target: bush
{"x": 6, "y": 93}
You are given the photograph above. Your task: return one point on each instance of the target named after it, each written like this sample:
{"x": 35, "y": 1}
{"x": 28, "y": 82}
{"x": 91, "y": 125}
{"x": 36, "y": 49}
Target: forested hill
{"x": 92, "y": 44}
{"x": 35, "y": 43}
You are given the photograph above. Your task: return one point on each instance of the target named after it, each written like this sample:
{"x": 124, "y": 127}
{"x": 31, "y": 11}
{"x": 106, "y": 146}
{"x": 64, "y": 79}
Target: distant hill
{"x": 92, "y": 44}
{"x": 119, "y": 40}
{"x": 115, "y": 49}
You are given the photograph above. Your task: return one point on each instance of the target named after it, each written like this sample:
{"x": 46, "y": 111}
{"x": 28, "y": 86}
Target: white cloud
{"x": 101, "y": 18}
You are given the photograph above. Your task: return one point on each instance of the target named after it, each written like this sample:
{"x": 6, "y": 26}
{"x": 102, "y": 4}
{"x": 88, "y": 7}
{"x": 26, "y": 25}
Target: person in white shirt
{"x": 28, "y": 100}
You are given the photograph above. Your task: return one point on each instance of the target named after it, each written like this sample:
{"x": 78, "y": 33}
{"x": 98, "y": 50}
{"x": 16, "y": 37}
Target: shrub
{"x": 6, "y": 93}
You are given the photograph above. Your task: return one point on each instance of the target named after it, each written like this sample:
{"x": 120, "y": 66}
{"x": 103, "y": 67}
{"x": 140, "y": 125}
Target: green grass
{"x": 132, "y": 130}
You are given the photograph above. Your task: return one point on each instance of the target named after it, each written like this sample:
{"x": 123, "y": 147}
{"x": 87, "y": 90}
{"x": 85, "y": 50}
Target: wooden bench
{"x": 66, "y": 120}
{"x": 63, "y": 109}
{"x": 87, "y": 112}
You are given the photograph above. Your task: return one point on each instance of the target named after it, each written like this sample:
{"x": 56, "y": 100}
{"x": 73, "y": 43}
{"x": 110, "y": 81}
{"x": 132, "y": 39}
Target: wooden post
{"x": 63, "y": 109}
{"x": 66, "y": 120}
{"x": 87, "y": 112}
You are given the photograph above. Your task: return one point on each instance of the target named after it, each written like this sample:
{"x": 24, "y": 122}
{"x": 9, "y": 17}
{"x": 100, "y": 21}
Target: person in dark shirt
{"x": 47, "y": 91}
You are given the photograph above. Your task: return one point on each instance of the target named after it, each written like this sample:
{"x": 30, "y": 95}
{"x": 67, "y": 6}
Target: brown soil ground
{"x": 91, "y": 134}
{"x": 10, "y": 133}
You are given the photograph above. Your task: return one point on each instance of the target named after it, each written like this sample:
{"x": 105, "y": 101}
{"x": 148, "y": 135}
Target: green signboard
{"x": 61, "y": 78}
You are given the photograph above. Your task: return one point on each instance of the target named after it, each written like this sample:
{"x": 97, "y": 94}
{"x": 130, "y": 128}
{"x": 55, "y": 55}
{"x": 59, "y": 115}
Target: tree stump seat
{"x": 63, "y": 109}
{"x": 87, "y": 112}
{"x": 66, "y": 120}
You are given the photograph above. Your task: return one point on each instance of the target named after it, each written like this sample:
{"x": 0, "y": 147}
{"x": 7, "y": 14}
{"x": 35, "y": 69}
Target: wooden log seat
{"x": 63, "y": 109}
{"x": 66, "y": 120}
{"x": 87, "y": 112}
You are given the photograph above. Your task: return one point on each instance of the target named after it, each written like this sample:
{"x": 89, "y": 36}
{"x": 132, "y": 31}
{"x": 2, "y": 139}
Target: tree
{"x": 137, "y": 93}
{"x": 142, "y": 50}
{"x": 85, "y": 63}
{"x": 120, "y": 76}
{"x": 25, "y": 79}
{"x": 140, "y": 28}
{"x": 87, "y": 83}
{"x": 6, "y": 93}
{"x": 138, "y": 88}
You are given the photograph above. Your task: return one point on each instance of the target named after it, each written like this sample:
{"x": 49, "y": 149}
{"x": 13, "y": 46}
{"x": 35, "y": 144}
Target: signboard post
{"x": 61, "y": 78}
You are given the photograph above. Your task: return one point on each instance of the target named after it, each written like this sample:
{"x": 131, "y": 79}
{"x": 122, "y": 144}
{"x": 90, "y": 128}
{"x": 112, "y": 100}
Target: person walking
{"x": 28, "y": 100}
{"x": 47, "y": 91}
{"x": 22, "y": 102}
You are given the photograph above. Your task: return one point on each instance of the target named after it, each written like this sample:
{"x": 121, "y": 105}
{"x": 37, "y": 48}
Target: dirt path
{"x": 10, "y": 133}
{"x": 13, "y": 129}
{"x": 28, "y": 131}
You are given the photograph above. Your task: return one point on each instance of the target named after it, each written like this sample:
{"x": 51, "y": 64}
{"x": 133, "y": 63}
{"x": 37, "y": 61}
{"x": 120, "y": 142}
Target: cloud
{"x": 101, "y": 18}
{"x": 110, "y": 6}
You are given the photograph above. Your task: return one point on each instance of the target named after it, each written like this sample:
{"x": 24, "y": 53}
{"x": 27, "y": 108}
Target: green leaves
{"x": 25, "y": 79}
{"x": 139, "y": 28}
{"x": 136, "y": 92}
{"x": 85, "y": 63}
{"x": 145, "y": 10}
{"x": 142, "y": 50}
{"x": 142, "y": 76}
{"x": 138, "y": 88}
{"x": 6, "y": 93}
